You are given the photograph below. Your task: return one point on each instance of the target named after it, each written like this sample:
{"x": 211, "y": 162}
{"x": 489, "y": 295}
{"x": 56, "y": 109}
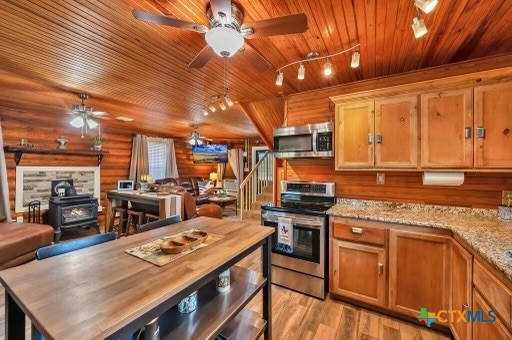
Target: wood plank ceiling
{"x": 50, "y": 50}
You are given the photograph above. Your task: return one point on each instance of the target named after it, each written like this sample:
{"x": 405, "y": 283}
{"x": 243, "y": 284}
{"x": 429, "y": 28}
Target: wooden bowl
{"x": 183, "y": 242}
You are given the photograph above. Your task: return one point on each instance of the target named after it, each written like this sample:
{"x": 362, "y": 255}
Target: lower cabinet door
{"x": 461, "y": 289}
{"x": 358, "y": 272}
{"x": 485, "y": 327}
{"x": 418, "y": 272}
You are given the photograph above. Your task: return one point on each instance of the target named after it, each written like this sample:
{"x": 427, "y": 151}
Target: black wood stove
{"x": 67, "y": 210}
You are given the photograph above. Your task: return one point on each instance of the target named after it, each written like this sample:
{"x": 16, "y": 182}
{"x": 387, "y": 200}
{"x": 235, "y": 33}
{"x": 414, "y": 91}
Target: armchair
{"x": 192, "y": 210}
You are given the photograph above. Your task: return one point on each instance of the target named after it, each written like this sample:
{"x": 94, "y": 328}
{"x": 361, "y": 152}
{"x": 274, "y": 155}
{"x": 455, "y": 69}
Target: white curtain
{"x": 171, "y": 165}
{"x": 5, "y": 205}
{"x": 139, "y": 163}
{"x": 236, "y": 161}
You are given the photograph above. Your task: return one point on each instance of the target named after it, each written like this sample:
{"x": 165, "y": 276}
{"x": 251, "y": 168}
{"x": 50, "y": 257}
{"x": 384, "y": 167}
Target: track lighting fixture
{"x": 355, "y": 60}
{"x": 228, "y": 101}
{"x": 279, "y": 80}
{"x": 418, "y": 27}
{"x": 426, "y": 5}
{"x": 301, "y": 72}
{"x": 327, "y": 68}
{"x": 222, "y": 106}
{"x": 205, "y": 112}
{"x": 212, "y": 108}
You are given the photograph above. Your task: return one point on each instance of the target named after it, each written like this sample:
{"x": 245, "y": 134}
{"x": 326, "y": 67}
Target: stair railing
{"x": 258, "y": 178}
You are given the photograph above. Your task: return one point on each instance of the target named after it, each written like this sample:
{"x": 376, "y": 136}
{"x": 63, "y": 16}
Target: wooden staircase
{"x": 255, "y": 212}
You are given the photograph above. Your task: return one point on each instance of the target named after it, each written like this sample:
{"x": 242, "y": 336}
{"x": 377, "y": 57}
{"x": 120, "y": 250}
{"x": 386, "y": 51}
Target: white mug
{"x": 223, "y": 281}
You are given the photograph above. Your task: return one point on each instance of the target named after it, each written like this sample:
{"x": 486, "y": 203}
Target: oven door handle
{"x": 307, "y": 226}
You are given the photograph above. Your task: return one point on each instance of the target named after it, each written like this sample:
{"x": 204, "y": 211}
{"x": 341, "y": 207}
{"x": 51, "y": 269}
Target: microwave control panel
{"x": 324, "y": 141}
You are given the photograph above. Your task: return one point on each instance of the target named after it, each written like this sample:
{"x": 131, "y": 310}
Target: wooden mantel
{"x": 20, "y": 150}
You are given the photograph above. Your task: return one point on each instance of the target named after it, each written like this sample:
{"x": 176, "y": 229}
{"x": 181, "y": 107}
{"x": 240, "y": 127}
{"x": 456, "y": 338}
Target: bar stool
{"x": 135, "y": 219}
{"x": 151, "y": 217}
{"x": 121, "y": 214}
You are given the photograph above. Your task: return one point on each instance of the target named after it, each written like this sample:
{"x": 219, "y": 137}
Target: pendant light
{"x": 301, "y": 72}
{"x": 418, "y": 27}
{"x": 327, "y": 68}
{"x": 279, "y": 80}
{"x": 355, "y": 60}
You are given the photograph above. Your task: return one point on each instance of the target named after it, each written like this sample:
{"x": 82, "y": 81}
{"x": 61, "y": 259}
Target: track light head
{"x": 228, "y": 100}
{"x": 205, "y": 112}
{"x": 222, "y": 106}
{"x": 212, "y": 108}
{"x": 280, "y": 77}
{"x": 301, "y": 72}
{"x": 418, "y": 27}
{"x": 355, "y": 60}
{"x": 327, "y": 68}
{"x": 426, "y": 5}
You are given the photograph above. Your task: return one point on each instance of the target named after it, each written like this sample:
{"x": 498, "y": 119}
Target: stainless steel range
{"x": 300, "y": 262}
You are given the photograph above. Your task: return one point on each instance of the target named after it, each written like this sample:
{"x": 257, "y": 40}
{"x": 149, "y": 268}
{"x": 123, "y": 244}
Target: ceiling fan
{"x": 196, "y": 139}
{"x": 83, "y": 115}
{"x": 226, "y": 34}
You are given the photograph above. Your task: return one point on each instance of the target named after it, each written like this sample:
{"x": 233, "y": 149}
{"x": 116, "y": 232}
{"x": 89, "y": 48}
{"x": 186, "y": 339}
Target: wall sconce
{"x": 313, "y": 55}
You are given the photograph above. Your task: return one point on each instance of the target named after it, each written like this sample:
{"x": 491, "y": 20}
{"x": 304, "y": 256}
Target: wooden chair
{"x": 151, "y": 217}
{"x": 160, "y": 223}
{"x": 66, "y": 247}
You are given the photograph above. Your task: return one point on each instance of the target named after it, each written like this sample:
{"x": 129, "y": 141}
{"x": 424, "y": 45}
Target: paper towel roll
{"x": 443, "y": 178}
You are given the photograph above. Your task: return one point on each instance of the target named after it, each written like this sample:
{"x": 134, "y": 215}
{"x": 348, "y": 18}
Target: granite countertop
{"x": 482, "y": 229}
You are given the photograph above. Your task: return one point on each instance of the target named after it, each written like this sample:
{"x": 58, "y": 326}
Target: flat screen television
{"x": 210, "y": 153}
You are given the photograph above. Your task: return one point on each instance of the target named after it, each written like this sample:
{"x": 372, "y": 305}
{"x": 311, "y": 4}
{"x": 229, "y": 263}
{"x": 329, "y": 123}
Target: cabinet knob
{"x": 370, "y": 138}
{"x": 380, "y": 268}
{"x": 357, "y": 230}
{"x": 465, "y": 307}
{"x": 378, "y": 138}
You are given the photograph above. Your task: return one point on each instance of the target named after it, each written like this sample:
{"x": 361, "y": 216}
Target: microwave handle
{"x": 315, "y": 136}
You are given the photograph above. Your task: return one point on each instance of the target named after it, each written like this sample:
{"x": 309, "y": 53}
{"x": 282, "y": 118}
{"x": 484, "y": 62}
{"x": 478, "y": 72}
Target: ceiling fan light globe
{"x": 77, "y": 122}
{"x": 224, "y": 41}
{"x": 199, "y": 142}
{"x": 91, "y": 124}
{"x": 192, "y": 141}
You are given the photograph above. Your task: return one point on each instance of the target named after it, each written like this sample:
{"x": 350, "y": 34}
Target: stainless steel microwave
{"x": 304, "y": 141}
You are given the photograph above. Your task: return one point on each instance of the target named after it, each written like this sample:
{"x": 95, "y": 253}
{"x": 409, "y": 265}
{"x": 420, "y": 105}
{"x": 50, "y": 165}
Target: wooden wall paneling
{"x": 480, "y": 190}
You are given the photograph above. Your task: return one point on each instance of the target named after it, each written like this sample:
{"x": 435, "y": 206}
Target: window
{"x": 157, "y": 158}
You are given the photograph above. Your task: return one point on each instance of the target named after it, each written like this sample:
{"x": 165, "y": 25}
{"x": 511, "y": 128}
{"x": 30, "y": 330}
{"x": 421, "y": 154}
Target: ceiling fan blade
{"x": 224, "y": 8}
{"x": 202, "y": 57}
{"x": 288, "y": 24}
{"x": 259, "y": 63}
{"x": 163, "y": 20}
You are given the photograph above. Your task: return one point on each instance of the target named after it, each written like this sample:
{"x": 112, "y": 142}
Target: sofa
{"x": 19, "y": 241}
{"x": 191, "y": 185}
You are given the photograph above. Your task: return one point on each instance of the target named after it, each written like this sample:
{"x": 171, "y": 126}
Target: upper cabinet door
{"x": 446, "y": 129}
{"x": 396, "y": 132}
{"x": 354, "y": 135}
{"x": 493, "y": 126}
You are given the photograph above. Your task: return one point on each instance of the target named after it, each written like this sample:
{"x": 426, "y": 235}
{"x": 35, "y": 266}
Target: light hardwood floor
{"x": 297, "y": 316}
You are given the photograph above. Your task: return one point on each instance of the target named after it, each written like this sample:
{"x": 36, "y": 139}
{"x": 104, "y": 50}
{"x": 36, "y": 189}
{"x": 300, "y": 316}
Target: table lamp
{"x": 213, "y": 177}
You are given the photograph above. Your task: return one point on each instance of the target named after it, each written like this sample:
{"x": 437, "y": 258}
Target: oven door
{"x": 308, "y": 252}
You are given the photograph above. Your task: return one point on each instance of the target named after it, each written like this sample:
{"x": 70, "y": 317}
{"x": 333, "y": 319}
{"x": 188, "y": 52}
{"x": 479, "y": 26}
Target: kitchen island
{"x": 104, "y": 292}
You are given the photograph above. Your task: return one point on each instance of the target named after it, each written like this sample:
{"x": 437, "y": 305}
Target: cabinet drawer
{"x": 494, "y": 291}
{"x": 359, "y": 233}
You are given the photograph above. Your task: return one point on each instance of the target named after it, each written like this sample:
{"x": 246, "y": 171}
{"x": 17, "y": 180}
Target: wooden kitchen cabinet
{"x": 493, "y": 126}
{"x": 487, "y": 330}
{"x": 358, "y": 272}
{"x": 396, "y": 132}
{"x": 460, "y": 288}
{"x": 418, "y": 271}
{"x": 446, "y": 129}
{"x": 354, "y": 135}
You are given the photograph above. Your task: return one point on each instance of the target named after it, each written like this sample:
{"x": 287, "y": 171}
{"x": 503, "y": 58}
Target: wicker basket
{"x": 505, "y": 212}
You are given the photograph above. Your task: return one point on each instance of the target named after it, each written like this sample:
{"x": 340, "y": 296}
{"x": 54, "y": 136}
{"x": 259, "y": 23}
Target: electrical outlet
{"x": 380, "y": 177}
{"x": 19, "y": 219}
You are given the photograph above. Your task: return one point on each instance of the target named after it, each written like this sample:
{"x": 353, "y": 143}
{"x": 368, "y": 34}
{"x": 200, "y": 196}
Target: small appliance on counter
{"x": 300, "y": 248}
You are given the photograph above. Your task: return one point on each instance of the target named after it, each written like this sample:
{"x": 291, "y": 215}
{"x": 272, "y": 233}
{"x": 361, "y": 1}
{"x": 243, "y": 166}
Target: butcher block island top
{"x": 103, "y": 292}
